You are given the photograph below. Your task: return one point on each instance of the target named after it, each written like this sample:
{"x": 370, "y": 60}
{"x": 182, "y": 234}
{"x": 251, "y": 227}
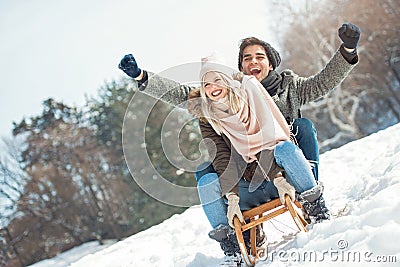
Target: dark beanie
{"x": 273, "y": 55}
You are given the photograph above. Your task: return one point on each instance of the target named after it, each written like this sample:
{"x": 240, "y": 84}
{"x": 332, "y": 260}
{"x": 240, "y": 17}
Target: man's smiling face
{"x": 255, "y": 62}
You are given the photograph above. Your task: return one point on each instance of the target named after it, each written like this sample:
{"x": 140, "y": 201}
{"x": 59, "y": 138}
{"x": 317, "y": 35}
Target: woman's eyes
{"x": 216, "y": 81}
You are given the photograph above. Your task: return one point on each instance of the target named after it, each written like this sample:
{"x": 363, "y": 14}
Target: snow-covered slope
{"x": 362, "y": 185}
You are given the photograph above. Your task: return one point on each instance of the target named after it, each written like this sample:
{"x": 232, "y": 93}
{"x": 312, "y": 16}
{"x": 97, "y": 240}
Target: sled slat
{"x": 259, "y": 215}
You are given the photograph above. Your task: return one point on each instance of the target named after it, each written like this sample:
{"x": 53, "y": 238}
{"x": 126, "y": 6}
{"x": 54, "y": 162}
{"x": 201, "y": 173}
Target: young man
{"x": 288, "y": 90}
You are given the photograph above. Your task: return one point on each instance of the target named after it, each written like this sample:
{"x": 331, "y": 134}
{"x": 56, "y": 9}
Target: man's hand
{"x": 350, "y": 35}
{"x": 233, "y": 209}
{"x": 129, "y": 66}
{"x": 284, "y": 188}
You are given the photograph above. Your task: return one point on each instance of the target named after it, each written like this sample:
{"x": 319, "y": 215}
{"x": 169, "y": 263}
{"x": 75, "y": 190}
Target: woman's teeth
{"x": 216, "y": 93}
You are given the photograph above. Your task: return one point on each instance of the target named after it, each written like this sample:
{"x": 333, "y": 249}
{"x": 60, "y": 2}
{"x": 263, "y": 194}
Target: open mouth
{"x": 255, "y": 71}
{"x": 216, "y": 93}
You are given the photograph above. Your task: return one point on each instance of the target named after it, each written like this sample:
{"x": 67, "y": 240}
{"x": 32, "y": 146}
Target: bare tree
{"x": 12, "y": 182}
{"x": 64, "y": 197}
{"x": 368, "y": 99}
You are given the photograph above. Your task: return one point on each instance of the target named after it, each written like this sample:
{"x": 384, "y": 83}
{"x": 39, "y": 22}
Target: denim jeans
{"x": 287, "y": 156}
{"x": 306, "y": 137}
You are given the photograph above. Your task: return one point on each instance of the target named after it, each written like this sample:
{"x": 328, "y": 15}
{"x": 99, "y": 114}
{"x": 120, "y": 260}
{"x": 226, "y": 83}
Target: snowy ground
{"x": 362, "y": 184}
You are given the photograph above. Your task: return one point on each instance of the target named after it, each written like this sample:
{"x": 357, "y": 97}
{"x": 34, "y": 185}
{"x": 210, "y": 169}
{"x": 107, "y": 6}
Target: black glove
{"x": 129, "y": 66}
{"x": 350, "y": 34}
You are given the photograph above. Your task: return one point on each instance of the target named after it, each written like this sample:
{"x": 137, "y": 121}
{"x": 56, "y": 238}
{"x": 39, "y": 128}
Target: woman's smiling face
{"x": 214, "y": 86}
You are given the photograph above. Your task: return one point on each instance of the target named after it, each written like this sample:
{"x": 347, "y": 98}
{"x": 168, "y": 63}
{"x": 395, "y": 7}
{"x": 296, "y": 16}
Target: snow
{"x": 362, "y": 187}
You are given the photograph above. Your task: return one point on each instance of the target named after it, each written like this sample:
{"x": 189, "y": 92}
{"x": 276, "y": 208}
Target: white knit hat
{"x": 214, "y": 63}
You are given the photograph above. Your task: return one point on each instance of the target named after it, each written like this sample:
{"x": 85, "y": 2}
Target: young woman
{"x": 251, "y": 146}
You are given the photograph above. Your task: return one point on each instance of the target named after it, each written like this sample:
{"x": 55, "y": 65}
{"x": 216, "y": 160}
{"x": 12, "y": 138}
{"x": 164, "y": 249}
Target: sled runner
{"x": 259, "y": 215}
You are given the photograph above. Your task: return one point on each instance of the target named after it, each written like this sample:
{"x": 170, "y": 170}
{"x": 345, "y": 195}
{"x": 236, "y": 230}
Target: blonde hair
{"x": 235, "y": 98}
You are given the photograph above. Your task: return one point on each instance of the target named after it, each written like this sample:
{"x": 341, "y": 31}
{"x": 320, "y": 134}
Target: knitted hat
{"x": 273, "y": 56}
{"x": 214, "y": 63}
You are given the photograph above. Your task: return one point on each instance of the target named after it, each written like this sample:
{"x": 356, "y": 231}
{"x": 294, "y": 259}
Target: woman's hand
{"x": 284, "y": 188}
{"x": 233, "y": 208}
{"x": 129, "y": 65}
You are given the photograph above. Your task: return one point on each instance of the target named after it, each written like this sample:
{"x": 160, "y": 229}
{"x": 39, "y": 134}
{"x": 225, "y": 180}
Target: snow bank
{"x": 362, "y": 187}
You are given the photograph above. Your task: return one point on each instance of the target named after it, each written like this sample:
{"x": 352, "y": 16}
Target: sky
{"x": 361, "y": 191}
{"x": 68, "y": 49}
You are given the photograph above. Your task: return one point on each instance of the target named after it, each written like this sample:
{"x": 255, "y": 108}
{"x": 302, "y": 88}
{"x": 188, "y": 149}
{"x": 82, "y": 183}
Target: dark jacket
{"x": 228, "y": 163}
{"x": 292, "y": 92}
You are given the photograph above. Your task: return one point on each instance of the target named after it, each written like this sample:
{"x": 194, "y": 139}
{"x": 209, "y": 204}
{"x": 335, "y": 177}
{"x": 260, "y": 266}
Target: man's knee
{"x": 304, "y": 123}
{"x": 203, "y": 169}
{"x": 304, "y": 126}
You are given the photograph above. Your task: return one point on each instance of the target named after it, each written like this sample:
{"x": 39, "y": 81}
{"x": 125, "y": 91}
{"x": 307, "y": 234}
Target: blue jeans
{"x": 306, "y": 137}
{"x": 287, "y": 156}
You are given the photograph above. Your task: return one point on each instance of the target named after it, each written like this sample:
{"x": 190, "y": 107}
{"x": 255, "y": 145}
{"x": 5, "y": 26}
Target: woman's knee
{"x": 285, "y": 147}
{"x": 209, "y": 188}
{"x": 286, "y": 152}
{"x": 208, "y": 179}
{"x": 203, "y": 169}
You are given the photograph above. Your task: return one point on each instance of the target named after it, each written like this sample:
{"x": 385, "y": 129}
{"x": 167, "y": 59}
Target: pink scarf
{"x": 258, "y": 125}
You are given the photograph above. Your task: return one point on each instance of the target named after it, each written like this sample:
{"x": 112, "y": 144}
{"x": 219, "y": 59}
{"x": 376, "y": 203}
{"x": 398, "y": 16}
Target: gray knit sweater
{"x": 294, "y": 90}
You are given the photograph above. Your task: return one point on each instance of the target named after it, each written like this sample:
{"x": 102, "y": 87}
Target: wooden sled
{"x": 259, "y": 215}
